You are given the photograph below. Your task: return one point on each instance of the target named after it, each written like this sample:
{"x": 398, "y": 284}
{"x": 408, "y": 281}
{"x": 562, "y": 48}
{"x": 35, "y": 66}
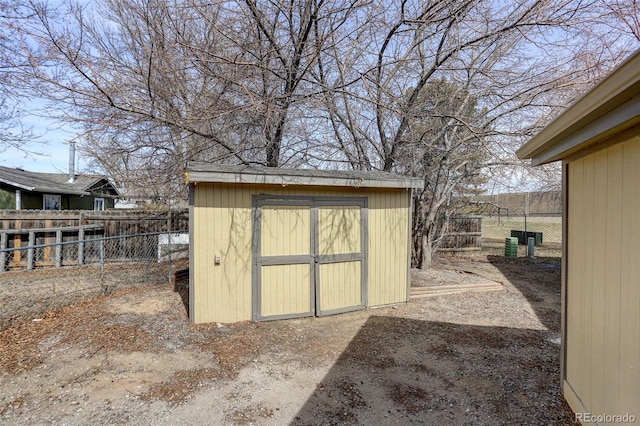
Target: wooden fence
{"x": 51, "y": 232}
{"x": 464, "y": 234}
{"x": 115, "y": 222}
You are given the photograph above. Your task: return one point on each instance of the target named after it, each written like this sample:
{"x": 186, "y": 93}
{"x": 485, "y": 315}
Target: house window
{"x": 98, "y": 203}
{"x": 51, "y": 202}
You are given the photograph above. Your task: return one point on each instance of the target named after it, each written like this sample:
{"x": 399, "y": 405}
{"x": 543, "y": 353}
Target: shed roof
{"x": 612, "y": 106}
{"x": 219, "y": 173}
{"x": 56, "y": 183}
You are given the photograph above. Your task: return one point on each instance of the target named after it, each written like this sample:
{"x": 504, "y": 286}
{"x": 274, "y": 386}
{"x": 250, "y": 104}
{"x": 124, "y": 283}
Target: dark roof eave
{"x": 60, "y": 191}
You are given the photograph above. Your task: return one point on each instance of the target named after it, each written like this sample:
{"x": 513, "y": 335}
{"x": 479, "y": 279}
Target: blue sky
{"x": 50, "y": 147}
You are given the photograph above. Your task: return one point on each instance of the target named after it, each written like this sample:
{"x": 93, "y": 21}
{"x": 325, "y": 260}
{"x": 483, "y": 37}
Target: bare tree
{"x": 441, "y": 89}
{"x": 520, "y": 62}
{"x": 622, "y": 15}
{"x": 152, "y": 84}
{"x": 13, "y": 134}
{"x": 134, "y": 77}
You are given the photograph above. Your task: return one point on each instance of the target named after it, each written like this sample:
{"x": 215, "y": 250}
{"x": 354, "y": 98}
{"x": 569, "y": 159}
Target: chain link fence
{"x": 495, "y": 228}
{"x": 37, "y": 278}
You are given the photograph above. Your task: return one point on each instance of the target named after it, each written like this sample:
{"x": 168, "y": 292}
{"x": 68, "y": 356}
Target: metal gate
{"x": 309, "y": 256}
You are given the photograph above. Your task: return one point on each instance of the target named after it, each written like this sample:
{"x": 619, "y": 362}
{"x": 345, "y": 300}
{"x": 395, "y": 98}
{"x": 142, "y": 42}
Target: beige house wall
{"x": 222, "y": 227}
{"x": 602, "y": 309}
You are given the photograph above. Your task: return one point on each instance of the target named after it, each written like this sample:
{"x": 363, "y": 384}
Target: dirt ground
{"x": 474, "y": 358}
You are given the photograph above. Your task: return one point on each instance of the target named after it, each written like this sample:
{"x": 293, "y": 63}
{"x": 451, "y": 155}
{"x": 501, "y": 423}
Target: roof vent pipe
{"x": 72, "y": 162}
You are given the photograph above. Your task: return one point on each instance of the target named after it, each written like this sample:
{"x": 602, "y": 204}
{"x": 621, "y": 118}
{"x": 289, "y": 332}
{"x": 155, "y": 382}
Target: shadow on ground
{"x": 181, "y": 286}
{"x": 538, "y": 279}
{"x": 399, "y": 370}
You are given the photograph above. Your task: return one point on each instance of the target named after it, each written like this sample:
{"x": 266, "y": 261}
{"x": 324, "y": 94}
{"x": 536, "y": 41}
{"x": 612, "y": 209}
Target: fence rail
{"x": 156, "y": 246}
{"x": 115, "y": 222}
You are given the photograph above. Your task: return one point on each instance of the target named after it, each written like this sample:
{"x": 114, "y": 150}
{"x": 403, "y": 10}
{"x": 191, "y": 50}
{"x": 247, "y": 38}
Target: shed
{"x": 270, "y": 243}
{"x": 598, "y": 141}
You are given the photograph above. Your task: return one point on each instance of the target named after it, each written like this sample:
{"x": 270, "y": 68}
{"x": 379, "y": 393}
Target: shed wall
{"x": 602, "y": 364}
{"x": 222, "y": 226}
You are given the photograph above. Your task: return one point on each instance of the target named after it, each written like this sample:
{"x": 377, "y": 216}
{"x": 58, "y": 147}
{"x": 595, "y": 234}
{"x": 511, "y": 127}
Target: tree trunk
{"x": 427, "y": 251}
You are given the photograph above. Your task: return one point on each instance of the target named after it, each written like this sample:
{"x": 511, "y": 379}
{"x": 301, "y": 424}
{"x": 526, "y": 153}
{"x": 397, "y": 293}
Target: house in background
{"x": 598, "y": 141}
{"x": 21, "y": 189}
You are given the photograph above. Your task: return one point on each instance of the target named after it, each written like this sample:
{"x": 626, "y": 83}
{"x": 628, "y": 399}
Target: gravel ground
{"x": 132, "y": 357}
{"x": 26, "y": 294}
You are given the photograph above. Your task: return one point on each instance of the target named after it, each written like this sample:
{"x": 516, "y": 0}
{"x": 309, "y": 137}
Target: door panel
{"x": 285, "y": 290}
{"x": 340, "y": 289}
{"x": 284, "y": 262}
{"x": 339, "y": 229}
{"x": 285, "y": 230}
{"x": 340, "y": 258}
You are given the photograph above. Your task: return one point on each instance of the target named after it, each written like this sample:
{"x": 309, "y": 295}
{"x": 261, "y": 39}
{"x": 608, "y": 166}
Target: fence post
{"x": 170, "y": 272}
{"x": 3, "y": 254}
{"x": 101, "y": 257}
{"x": 46, "y": 251}
{"x": 80, "y": 244}
{"x": 526, "y": 234}
{"x": 17, "y": 243}
{"x": 30, "y": 250}
{"x": 58, "y": 248}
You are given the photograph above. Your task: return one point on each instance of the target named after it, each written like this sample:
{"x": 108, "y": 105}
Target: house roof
{"x": 56, "y": 183}
{"x": 218, "y": 173}
{"x": 610, "y": 107}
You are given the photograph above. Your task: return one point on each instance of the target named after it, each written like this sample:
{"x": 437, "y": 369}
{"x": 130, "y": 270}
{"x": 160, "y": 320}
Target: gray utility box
{"x": 522, "y": 238}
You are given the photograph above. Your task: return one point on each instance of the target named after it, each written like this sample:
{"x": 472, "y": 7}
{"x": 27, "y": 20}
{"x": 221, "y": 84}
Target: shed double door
{"x": 309, "y": 256}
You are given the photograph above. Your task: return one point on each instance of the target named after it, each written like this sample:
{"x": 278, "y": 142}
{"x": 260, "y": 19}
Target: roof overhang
{"x": 217, "y": 173}
{"x": 60, "y": 191}
{"x": 610, "y": 107}
{"x": 89, "y": 189}
{"x": 16, "y": 184}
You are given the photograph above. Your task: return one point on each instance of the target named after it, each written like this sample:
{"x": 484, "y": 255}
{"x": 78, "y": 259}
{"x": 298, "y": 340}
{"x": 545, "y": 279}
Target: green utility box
{"x": 523, "y": 236}
{"x": 511, "y": 247}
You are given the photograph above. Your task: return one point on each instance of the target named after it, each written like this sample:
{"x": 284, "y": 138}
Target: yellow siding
{"x": 630, "y": 279}
{"x": 285, "y": 289}
{"x": 388, "y": 246}
{"x": 221, "y": 215}
{"x": 575, "y": 253}
{"x": 603, "y": 281}
{"x": 339, "y": 229}
{"x": 611, "y": 299}
{"x": 285, "y": 230}
{"x": 340, "y": 285}
{"x": 222, "y": 225}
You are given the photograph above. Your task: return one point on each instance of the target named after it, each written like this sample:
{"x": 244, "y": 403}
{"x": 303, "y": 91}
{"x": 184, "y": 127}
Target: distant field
{"x": 494, "y": 232}
{"x": 550, "y": 226}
